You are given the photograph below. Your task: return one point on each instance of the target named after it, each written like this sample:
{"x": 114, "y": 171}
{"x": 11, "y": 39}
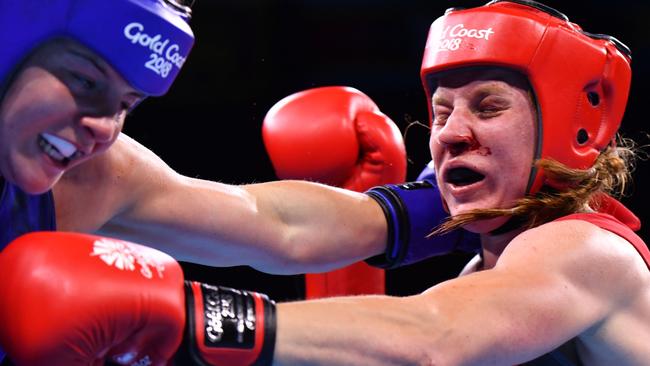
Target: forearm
{"x": 324, "y": 226}
{"x": 278, "y": 227}
{"x": 487, "y": 318}
{"x": 369, "y": 330}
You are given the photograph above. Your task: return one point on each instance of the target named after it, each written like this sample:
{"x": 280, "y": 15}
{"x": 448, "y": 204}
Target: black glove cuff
{"x": 231, "y": 322}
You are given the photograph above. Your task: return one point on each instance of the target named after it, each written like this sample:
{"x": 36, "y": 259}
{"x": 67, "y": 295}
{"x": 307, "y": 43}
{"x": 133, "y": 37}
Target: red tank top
{"x": 616, "y": 226}
{"x": 621, "y": 222}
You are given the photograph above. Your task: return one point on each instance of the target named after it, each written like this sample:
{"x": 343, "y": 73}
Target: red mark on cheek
{"x": 474, "y": 146}
{"x": 483, "y": 151}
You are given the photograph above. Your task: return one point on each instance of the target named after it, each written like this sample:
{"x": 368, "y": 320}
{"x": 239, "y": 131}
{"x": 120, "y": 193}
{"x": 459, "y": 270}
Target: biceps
{"x": 191, "y": 207}
{"x": 197, "y": 221}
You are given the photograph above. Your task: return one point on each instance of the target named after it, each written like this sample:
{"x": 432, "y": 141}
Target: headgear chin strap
{"x": 580, "y": 80}
{"x": 146, "y": 41}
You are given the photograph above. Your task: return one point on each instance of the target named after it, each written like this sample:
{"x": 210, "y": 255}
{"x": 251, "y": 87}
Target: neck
{"x": 494, "y": 245}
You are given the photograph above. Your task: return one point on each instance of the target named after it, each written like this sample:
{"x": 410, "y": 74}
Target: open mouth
{"x": 57, "y": 148}
{"x": 463, "y": 176}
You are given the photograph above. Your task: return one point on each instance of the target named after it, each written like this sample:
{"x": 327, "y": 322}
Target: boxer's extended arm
{"x": 532, "y": 301}
{"x": 281, "y": 227}
{"x": 597, "y": 290}
{"x": 335, "y": 135}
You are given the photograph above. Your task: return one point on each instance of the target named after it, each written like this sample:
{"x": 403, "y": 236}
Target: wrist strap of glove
{"x": 225, "y": 326}
{"x": 412, "y": 211}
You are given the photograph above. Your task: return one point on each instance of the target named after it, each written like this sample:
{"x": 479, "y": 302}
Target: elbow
{"x": 292, "y": 257}
{"x": 434, "y": 338}
{"x": 432, "y": 355}
{"x": 294, "y": 252}
{"x": 420, "y": 353}
{"x": 283, "y": 253}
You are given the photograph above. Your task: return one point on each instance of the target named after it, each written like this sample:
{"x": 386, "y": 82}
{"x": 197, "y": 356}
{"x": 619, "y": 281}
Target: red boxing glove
{"x": 74, "y": 299}
{"x": 334, "y": 135}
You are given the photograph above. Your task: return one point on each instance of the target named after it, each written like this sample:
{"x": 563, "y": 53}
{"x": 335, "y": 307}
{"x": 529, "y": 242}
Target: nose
{"x": 456, "y": 135}
{"x": 100, "y": 129}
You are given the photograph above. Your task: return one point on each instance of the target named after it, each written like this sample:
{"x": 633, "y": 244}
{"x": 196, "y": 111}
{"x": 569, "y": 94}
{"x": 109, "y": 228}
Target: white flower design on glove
{"x": 124, "y": 256}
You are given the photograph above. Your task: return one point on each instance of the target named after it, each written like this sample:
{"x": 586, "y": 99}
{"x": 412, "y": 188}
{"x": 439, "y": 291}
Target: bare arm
{"x": 531, "y": 302}
{"x": 280, "y": 227}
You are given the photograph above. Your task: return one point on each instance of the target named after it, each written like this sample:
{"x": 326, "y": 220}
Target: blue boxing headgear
{"x": 146, "y": 41}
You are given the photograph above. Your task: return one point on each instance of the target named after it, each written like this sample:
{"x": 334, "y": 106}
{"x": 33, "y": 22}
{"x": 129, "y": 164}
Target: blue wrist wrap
{"x": 412, "y": 211}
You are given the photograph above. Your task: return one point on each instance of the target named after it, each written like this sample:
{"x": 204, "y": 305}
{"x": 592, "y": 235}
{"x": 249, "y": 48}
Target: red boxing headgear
{"x": 580, "y": 80}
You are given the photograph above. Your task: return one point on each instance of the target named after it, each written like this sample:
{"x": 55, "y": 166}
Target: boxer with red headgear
{"x": 557, "y": 283}
{"x": 524, "y": 109}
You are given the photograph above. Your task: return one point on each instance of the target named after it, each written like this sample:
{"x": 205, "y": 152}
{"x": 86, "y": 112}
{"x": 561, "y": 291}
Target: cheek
{"x": 517, "y": 153}
{"x": 527, "y": 143}
{"x": 37, "y": 96}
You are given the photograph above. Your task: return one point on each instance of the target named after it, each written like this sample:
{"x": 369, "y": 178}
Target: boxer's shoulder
{"x": 571, "y": 240}
{"x": 584, "y": 254}
{"x": 90, "y": 194}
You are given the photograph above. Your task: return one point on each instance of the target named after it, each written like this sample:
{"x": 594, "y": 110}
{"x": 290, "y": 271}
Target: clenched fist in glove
{"x": 73, "y": 299}
{"x": 334, "y": 135}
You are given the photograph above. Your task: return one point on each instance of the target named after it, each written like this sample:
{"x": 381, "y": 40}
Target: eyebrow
{"x": 99, "y": 67}
{"x": 437, "y": 99}
{"x": 482, "y": 90}
{"x": 490, "y": 89}
{"x": 90, "y": 59}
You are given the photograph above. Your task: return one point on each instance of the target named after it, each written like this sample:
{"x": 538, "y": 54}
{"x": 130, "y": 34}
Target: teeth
{"x": 64, "y": 147}
{"x": 50, "y": 150}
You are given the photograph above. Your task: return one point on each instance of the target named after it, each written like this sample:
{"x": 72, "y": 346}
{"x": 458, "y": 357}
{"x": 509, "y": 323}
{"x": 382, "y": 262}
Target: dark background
{"x": 251, "y": 53}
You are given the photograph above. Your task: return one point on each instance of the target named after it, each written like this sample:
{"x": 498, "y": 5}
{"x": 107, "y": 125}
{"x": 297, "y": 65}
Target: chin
{"x": 486, "y": 226}
{"x": 36, "y": 186}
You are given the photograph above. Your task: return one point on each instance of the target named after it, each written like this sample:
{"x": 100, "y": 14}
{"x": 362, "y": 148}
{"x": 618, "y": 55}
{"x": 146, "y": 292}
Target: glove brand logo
{"x": 214, "y": 324}
{"x": 124, "y": 257}
{"x": 229, "y": 317}
{"x": 162, "y": 58}
{"x": 452, "y": 36}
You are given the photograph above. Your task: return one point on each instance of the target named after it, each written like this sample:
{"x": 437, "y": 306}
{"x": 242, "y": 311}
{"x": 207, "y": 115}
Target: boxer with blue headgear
{"x": 147, "y": 42}
{"x": 72, "y": 65}
{"x": 141, "y": 44}
{"x": 67, "y": 78}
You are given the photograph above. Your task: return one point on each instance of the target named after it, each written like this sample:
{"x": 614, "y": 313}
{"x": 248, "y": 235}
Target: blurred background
{"x": 251, "y": 53}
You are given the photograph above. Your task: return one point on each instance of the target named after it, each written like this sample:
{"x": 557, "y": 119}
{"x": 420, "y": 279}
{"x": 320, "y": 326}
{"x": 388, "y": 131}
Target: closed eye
{"x": 489, "y": 112}
{"x": 491, "y": 106}
{"x": 83, "y": 81}
{"x": 440, "y": 119}
{"x": 441, "y": 114}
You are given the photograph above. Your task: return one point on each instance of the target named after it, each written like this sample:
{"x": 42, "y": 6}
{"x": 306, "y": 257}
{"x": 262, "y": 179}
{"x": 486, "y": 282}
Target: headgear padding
{"x": 580, "y": 81}
{"x": 146, "y": 41}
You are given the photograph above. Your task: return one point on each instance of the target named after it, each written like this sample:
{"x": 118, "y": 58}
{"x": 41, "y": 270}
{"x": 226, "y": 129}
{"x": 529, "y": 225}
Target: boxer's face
{"x": 64, "y": 106}
{"x": 482, "y": 141}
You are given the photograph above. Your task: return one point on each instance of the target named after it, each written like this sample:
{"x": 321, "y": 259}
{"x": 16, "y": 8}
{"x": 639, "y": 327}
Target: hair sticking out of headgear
{"x": 580, "y": 80}
{"x": 146, "y": 41}
{"x": 183, "y": 5}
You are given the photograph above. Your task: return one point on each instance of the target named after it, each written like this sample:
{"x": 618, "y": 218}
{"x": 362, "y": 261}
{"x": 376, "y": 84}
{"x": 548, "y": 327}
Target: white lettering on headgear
{"x": 163, "y": 55}
{"x": 452, "y": 36}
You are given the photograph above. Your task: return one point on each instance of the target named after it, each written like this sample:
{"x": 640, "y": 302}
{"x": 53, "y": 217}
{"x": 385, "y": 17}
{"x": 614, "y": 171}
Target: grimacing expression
{"x": 63, "y": 106}
{"x": 483, "y": 139}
